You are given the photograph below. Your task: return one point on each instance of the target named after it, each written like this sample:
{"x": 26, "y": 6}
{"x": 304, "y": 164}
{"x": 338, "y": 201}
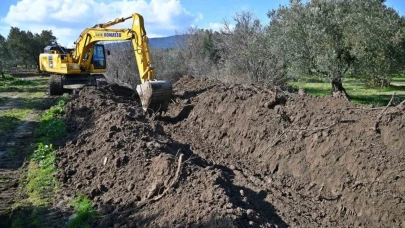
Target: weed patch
{"x": 29, "y": 217}
{"x": 51, "y": 127}
{"x": 41, "y": 183}
{"x": 84, "y": 213}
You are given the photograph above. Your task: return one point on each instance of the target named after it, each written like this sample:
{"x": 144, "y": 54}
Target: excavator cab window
{"x": 98, "y": 60}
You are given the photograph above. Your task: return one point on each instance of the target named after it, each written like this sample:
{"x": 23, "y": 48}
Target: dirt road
{"x": 19, "y": 114}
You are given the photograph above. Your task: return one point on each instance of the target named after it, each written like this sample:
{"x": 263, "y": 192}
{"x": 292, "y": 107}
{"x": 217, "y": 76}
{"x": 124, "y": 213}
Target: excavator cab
{"x": 99, "y": 60}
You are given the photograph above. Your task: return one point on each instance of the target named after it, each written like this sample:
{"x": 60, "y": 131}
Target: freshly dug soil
{"x": 235, "y": 156}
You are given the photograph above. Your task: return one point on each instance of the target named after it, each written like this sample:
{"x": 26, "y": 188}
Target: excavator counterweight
{"x": 78, "y": 65}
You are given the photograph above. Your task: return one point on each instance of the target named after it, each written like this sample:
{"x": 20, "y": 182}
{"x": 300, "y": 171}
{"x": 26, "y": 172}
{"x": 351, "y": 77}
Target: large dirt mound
{"x": 235, "y": 155}
{"x": 129, "y": 166}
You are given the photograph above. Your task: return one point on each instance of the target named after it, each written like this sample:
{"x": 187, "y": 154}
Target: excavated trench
{"x": 234, "y": 156}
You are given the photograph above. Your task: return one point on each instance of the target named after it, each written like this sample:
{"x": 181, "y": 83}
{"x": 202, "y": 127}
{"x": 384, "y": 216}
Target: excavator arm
{"x": 83, "y": 52}
{"x": 155, "y": 95}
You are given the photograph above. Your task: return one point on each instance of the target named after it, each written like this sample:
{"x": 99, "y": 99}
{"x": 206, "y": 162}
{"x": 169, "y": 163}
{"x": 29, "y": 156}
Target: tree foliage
{"x": 200, "y": 52}
{"x": 26, "y": 46}
{"x": 339, "y": 37}
{"x": 247, "y": 51}
{"x": 377, "y": 41}
{"x": 4, "y": 56}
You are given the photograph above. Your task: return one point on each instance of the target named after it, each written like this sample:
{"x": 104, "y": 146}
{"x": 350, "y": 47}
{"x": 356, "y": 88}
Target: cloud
{"x": 219, "y": 26}
{"x": 216, "y": 26}
{"x": 199, "y": 17}
{"x": 30, "y": 11}
{"x": 67, "y": 18}
{"x": 68, "y": 12}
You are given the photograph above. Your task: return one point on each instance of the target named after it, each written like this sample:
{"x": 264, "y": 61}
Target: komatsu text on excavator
{"x": 78, "y": 65}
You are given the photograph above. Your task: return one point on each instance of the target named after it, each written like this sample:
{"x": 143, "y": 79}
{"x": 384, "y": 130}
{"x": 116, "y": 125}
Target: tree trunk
{"x": 38, "y": 66}
{"x": 2, "y": 75}
{"x": 337, "y": 88}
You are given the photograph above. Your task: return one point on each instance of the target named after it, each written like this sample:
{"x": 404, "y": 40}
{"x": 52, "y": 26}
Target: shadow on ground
{"x": 35, "y": 217}
{"x": 380, "y": 100}
{"x": 37, "y": 103}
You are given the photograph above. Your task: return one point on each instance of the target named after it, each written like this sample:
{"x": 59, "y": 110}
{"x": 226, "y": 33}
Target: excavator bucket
{"x": 155, "y": 95}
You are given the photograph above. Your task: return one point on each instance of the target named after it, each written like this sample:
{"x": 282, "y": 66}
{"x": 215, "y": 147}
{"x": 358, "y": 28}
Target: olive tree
{"x": 311, "y": 36}
{"x": 27, "y": 46}
{"x": 4, "y": 56}
{"x": 334, "y": 38}
{"x": 377, "y": 41}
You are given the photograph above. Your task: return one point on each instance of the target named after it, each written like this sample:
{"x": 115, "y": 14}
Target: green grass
{"x": 51, "y": 127}
{"x": 84, "y": 213}
{"x": 38, "y": 187}
{"x": 13, "y": 84}
{"x": 26, "y": 100}
{"x": 399, "y": 79}
{"x": 359, "y": 92}
{"x": 18, "y": 222}
{"x": 41, "y": 183}
{"x": 33, "y": 103}
{"x": 29, "y": 217}
{"x": 10, "y": 119}
{"x": 7, "y": 96}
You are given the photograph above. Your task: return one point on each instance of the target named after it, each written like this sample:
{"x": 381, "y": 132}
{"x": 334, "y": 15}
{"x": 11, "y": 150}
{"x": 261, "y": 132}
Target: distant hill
{"x": 166, "y": 42}
{"x": 154, "y": 43}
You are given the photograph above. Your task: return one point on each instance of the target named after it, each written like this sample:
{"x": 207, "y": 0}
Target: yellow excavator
{"x": 79, "y": 65}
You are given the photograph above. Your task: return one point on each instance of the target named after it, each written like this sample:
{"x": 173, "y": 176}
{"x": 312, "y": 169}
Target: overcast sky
{"x": 67, "y": 18}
